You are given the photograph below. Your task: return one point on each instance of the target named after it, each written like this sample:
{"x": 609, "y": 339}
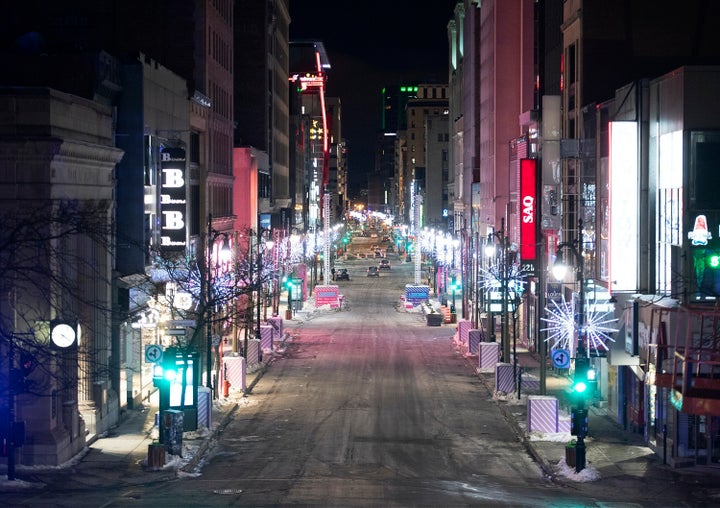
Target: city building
{"x": 261, "y": 61}
{"x": 67, "y": 394}
{"x": 426, "y": 172}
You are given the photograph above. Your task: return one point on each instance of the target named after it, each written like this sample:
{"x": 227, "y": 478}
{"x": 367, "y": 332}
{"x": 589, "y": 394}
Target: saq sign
{"x": 173, "y": 197}
{"x": 528, "y": 211}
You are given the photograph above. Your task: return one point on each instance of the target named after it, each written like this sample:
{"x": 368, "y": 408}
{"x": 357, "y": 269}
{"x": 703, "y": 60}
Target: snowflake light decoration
{"x": 491, "y": 279}
{"x": 562, "y": 326}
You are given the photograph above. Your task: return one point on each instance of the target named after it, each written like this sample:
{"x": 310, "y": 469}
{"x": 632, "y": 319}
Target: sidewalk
{"x": 611, "y": 451}
{"x": 121, "y": 456}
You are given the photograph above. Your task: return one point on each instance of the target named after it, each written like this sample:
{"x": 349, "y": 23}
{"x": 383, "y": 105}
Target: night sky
{"x": 371, "y": 44}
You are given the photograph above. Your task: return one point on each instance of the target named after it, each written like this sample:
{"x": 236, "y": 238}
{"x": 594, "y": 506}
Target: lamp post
{"x": 579, "y": 412}
{"x": 212, "y": 237}
{"x": 455, "y": 244}
{"x": 501, "y": 237}
{"x": 258, "y": 282}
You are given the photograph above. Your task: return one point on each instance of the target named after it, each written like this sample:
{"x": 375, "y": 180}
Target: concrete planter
{"x": 434, "y": 319}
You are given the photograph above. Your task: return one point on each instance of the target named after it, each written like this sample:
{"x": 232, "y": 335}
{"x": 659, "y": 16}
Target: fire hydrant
{"x": 226, "y": 388}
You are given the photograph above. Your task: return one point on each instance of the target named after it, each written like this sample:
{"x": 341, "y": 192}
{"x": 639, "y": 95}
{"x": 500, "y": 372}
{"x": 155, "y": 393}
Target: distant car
{"x": 342, "y": 274}
{"x": 390, "y": 248}
{"x": 384, "y": 264}
{"x": 373, "y": 271}
{"x": 378, "y": 254}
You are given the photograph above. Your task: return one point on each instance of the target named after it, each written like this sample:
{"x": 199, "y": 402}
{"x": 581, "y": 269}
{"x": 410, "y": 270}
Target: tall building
{"x": 261, "y": 62}
{"x": 337, "y": 179}
{"x": 426, "y": 115}
{"x": 170, "y": 84}
{"x": 383, "y": 187}
{"x": 308, "y": 75}
{"x": 636, "y": 154}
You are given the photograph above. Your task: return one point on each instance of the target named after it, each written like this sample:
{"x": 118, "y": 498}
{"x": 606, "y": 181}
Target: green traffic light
{"x": 170, "y": 375}
{"x": 580, "y": 387}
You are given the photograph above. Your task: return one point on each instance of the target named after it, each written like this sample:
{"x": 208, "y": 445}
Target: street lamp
{"x": 259, "y": 277}
{"x": 501, "y": 236}
{"x": 582, "y": 359}
{"x": 224, "y": 256}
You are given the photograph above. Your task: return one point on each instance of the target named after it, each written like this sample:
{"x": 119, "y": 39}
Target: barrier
{"x": 235, "y": 372}
{"x": 474, "y": 339}
{"x": 463, "y": 329}
{"x": 542, "y": 414}
{"x": 445, "y": 311}
{"x": 488, "y": 354}
{"x": 504, "y": 378}
{"x": 267, "y": 332}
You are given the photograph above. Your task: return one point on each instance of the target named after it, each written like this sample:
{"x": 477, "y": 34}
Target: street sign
{"x": 182, "y": 322}
{"x": 153, "y": 353}
{"x": 561, "y": 358}
{"x": 175, "y": 331}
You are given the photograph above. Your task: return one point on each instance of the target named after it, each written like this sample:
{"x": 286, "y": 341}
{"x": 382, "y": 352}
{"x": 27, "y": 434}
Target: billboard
{"x": 528, "y": 212}
{"x": 173, "y": 198}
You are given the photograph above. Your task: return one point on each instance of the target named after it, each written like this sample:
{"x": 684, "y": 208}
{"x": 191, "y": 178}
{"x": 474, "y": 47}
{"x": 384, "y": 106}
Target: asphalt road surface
{"x": 366, "y": 406}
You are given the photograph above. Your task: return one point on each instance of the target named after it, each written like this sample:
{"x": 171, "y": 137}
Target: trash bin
{"x": 156, "y": 456}
{"x": 570, "y": 454}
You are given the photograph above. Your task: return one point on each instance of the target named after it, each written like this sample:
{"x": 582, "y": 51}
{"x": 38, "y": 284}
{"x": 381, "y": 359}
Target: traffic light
{"x": 579, "y": 422}
{"x": 167, "y": 370}
{"x": 169, "y": 364}
{"x": 580, "y": 382}
{"x": 454, "y": 285}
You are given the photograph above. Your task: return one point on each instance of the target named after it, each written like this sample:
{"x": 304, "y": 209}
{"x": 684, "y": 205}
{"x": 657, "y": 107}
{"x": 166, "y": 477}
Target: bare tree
{"x": 55, "y": 261}
{"x": 222, "y": 293}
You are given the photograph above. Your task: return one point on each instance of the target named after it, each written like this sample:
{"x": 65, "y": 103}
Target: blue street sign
{"x": 561, "y": 358}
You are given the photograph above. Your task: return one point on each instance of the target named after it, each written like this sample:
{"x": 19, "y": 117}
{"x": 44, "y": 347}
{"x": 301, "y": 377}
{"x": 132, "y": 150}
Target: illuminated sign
{"x": 528, "y": 209}
{"x": 172, "y": 198}
{"x": 623, "y": 206}
{"x": 308, "y": 81}
{"x": 700, "y": 233}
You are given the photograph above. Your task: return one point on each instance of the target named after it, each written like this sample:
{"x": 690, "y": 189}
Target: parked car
{"x": 342, "y": 274}
{"x": 384, "y": 264}
{"x": 373, "y": 271}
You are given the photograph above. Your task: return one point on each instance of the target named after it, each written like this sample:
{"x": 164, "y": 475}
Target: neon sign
{"x": 173, "y": 198}
{"x": 528, "y": 209}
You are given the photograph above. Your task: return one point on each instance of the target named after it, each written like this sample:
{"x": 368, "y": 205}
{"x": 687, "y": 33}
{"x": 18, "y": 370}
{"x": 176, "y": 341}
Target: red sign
{"x": 528, "y": 209}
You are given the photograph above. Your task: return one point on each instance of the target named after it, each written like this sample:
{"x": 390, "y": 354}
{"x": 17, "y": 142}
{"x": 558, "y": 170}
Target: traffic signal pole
{"x": 580, "y": 412}
{"x": 581, "y": 382}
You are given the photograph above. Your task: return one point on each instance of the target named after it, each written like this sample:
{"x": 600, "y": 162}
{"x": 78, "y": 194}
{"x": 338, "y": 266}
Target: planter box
{"x": 434, "y": 319}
